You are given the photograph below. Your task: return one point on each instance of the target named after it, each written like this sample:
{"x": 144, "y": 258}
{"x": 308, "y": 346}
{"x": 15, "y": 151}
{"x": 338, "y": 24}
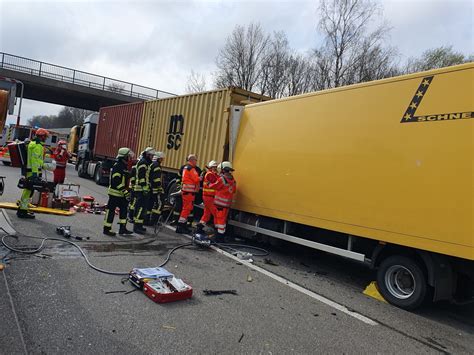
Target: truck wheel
{"x": 99, "y": 179}
{"x": 7, "y": 163}
{"x": 402, "y": 282}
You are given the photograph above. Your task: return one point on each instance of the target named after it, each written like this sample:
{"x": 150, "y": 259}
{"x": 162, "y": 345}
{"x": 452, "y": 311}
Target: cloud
{"x": 157, "y": 43}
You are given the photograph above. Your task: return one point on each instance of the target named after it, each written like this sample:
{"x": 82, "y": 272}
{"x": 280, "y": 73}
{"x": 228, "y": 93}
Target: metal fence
{"x": 56, "y": 72}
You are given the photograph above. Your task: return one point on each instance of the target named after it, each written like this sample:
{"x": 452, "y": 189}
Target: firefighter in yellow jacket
{"x": 118, "y": 194}
{"x": 34, "y": 166}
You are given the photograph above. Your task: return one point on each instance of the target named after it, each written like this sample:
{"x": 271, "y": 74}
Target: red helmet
{"x": 61, "y": 142}
{"x": 41, "y": 132}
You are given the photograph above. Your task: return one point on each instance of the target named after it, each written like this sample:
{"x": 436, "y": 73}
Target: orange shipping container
{"x": 195, "y": 123}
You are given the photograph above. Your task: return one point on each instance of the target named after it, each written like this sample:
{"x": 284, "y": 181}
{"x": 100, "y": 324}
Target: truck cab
{"x": 86, "y": 142}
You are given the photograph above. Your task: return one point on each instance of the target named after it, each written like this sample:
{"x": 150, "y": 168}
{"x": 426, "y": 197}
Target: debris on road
{"x": 249, "y": 278}
{"x": 219, "y": 292}
{"x": 269, "y": 262}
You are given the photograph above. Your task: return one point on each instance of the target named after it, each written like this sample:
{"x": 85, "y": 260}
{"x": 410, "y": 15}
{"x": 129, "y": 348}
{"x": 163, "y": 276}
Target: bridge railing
{"x": 57, "y": 72}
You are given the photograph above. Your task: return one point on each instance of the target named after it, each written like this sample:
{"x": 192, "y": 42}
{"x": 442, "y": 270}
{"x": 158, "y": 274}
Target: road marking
{"x": 294, "y": 286}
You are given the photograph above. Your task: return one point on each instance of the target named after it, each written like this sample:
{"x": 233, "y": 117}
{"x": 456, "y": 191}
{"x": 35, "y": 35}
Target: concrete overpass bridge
{"x": 69, "y": 87}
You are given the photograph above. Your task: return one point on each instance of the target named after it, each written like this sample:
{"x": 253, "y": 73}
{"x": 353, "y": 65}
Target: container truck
{"x": 380, "y": 172}
{"x": 103, "y": 134}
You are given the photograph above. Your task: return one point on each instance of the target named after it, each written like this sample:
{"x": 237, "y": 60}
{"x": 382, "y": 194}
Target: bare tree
{"x": 443, "y": 56}
{"x": 274, "y": 66}
{"x": 239, "y": 62}
{"x": 349, "y": 46}
{"x": 116, "y": 87}
{"x": 298, "y": 78}
{"x": 196, "y": 83}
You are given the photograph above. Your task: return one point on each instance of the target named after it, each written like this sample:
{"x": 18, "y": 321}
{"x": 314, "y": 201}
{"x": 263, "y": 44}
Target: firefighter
{"x": 225, "y": 187}
{"x": 178, "y": 200}
{"x": 34, "y": 165}
{"x": 118, "y": 193}
{"x": 189, "y": 188}
{"x": 61, "y": 155}
{"x": 131, "y": 205}
{"x": 156, "y": 188}
{"x": 142, "y": 189}
{"x": 208, "y": 194}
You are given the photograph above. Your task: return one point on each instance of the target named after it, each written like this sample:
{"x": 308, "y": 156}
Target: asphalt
{"x": 55, "y": 303}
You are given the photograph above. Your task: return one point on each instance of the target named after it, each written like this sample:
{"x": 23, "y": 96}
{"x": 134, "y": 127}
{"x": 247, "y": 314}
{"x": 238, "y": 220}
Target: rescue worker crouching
{"x": 118, "y": 194}
{"x": 35, "y": 162}
{"x": 154, "y": 203}
{"x": 208, "y": 194}
{"x": 189, "y": 187}
{"x": 142, "y": 189}
{"x": 225, "y": 187}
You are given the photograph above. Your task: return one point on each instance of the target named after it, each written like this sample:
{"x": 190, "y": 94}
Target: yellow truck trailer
{"x": 380, "y": 172}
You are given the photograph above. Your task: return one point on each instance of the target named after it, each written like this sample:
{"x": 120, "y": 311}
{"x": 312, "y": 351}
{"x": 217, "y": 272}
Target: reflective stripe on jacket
{"x": 210, "y": 178}
{"x": 155, "y": 178}
{"x": 118, "y": 180}
{"x": 225, "y": 187}
{"x": 142, "y": 182}
{"x": 35, "y": 155}
{"x": 190, "y": 179}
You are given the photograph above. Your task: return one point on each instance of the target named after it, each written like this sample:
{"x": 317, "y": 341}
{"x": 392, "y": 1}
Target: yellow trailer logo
{"x": 410, "y": 112}
{"x": 175, "y": 132}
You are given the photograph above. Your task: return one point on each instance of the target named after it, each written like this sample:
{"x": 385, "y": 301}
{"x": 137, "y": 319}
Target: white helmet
{"x": 149, "y": 150}
{"x": 159, "y": 155}
{"x": 226, "y": 166}
{"x": 191, "y": 156}
{"x": 212, "y": 164}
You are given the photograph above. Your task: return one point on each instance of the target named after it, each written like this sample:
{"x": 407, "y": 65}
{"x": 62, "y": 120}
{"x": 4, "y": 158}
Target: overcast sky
{"x": 157, "y": 43}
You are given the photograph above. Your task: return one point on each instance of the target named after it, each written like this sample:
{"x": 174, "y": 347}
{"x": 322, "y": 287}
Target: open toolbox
{"x": 160, "y": 285}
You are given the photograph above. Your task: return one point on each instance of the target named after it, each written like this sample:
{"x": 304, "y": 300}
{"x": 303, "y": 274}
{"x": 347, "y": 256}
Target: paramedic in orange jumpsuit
{"x": 189, "y": 189}
{"x": 225, "y": 187}
{"x": 208, "y": 194}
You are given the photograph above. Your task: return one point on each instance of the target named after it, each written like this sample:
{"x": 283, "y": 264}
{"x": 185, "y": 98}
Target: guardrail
{"x": 68, "y": 75}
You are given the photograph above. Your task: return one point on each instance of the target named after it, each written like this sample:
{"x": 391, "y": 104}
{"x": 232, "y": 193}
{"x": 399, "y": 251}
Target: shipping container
{"x": 379, "y": 172}
{"x": 196, "y": 123}
{"x": 118, "y": 126}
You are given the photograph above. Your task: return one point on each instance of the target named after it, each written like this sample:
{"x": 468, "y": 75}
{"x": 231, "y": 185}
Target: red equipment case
{"x": 156, "y": 295}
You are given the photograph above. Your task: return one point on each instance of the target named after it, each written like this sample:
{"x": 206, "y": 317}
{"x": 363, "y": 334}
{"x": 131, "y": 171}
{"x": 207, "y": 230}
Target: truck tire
{"x": 7, "y": 163}
{"x": 98, "y": 177}
{"x": 402, "y": 282}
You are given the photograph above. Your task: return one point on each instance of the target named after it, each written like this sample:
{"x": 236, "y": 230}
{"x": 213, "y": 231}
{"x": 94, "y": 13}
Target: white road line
{"x": 294, "y": 286}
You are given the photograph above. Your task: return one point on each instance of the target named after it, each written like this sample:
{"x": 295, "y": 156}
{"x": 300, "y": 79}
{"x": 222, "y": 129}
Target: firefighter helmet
{"x": 226, "y": 166}
{"x": 212, "y": 164}
{"x": 149, "y": 150}
{"x": 41, "y": 132}
{"x": 123, "y": 152}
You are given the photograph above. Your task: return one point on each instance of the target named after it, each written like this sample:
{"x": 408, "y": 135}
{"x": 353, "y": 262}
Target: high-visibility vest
{"x": 225, "y": 189}
{"x": 210, "y": 178}
{"x": 118, "y": 180}
{"x": 190, "y": 180}
{"x": 61, "y": 156}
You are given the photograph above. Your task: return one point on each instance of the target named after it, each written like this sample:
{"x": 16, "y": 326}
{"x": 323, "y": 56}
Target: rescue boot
{"x": 181, "y": 228}
{"x": 138, "y": 228}
{"x": 123, "y": 230}
{"x": 24, "y": 214}
{"x": 108, "y": 231}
